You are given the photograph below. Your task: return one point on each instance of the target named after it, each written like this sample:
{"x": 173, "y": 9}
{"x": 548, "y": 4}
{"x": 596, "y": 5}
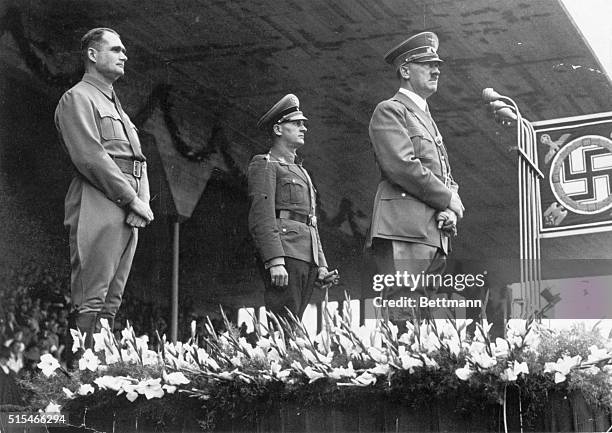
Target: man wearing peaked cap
{"x": 416, "y": 206}
{"x": 282, "y": 215}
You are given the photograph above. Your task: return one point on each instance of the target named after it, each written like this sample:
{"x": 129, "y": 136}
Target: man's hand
{"x": 135, "y": 220}
{"x": 447, "y": 222}
{"x": 456, "y": 205}
{"x": 325, "y": 278}
{"x": 141, "y": 209}
{"x": 279, "y": 276}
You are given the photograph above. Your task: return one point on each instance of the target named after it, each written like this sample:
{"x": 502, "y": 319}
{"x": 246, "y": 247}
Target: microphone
{"x": 490, "y": 95}
{"x": 503, "y": 110}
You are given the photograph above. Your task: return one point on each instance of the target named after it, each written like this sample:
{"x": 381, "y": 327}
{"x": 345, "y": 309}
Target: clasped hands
{"x": 140, "y": 214}
{"x": 447, "y": 219}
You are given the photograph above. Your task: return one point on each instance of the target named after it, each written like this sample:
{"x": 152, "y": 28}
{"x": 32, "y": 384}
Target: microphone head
{"x": 503, "y": 110}
{"x": 490, "y": 95}
{"x": 506, "y": 113}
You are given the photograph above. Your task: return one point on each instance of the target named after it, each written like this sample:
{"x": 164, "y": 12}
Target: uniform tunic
{"x": 94, "y": 129}
{"x": 416, "y": 183}
{"x": 274, "y": 186}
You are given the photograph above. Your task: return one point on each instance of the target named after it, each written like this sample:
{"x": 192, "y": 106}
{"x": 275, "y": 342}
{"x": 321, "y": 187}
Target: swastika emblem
{"x": 581, "y": 175}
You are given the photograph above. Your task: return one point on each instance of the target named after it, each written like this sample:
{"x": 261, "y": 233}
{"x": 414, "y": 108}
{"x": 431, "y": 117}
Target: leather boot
{"x": 86, "y": 323}
{"x": 70, "y": 357}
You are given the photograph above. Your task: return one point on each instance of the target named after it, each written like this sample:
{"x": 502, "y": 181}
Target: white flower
{"x": 453, "y": 345}
{"x": 114, "y": 383}
{"x": 275, "y": 369}
{"x": 562, "y": 367}
{"x": 408, "y": 361}
{"x": 193, "y": 329}
{"x": 377, "y": 355}
{"x": 264, "y": 343}
{"x": 205, "y": 359}
{"x": 78, "y": 339}
{"x": 501, "y": 348}
{"x": 68, "y": 393}
{"x": 429, "y": 362}
{"x": 347, "y": 344}
{"x": 464, "y": 372}
{"x": 309, "y": 356}
{"x": 430, "y": 342}
{"x": 89, "y": 361}
{"x": 130, "y": 391}
{"x": 380, "y": 369}
{"x": 127, "y": 334}
{"x": 484, "y": 360}
{"x": 297, "y": 366}
{"x": 520, "y": 367}
{"x": 149, "y": 357}
{"x": 53, "y": 407}
{"x": 85, "y": 389}
{"x": 142, "y": 343}
{"x": 597, "y": 354}
{"x": 341, "y": 372}
{"x": 365, "y": 379}
{"x": 509, "y": 375}
{"x": 99, "y": 342}
{"x": 111, "y": 356}
{"x": 226, "y": 375}
{"x": 175, "y": 378}
{"x": 170, "y": 389}
{"x": 48, "y": 364}
{"x": 151, "y": 388}
{"x": 312, "y": 374}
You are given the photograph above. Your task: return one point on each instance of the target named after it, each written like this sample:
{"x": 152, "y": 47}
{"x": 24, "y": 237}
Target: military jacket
{"x": 93, "y": 130}
{"x": 416, "y": 180}
{"x": 273, "y": 186}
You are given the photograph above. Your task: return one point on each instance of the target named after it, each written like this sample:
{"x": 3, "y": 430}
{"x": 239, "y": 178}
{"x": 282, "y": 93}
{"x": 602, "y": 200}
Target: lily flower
{"x": 597, "y": 354}
{"x": 89, "y": 361}
{"x": 365, "y": 379}
{"x": 48, "y": 364}
{"x": 464, "y": 372}
{"x": 53, "y": 407}
{"x": 151, "y": 388}
{"x": 85, "y": 389}
{"x": 175, "y": 378}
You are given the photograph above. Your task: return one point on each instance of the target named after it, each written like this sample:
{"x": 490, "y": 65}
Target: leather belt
{"x": 129, "y": 166}
{"x": 310, "y": 220}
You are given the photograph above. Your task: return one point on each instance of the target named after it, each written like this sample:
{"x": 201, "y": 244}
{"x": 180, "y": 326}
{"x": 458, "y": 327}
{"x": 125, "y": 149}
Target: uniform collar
{"x": 107, "y": 89}
{"x": 283, "y": 156}
{"x": 420, "y": 102}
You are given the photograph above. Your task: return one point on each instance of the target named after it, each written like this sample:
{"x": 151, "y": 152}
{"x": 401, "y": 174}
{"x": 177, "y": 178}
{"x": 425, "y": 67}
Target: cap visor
{"x": 294, "y": 116}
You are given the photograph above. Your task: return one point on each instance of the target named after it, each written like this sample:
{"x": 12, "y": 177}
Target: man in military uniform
{"x": 108, "y": 199}
{"x": 416, "y": 206}
{"x": 282, "y": 216}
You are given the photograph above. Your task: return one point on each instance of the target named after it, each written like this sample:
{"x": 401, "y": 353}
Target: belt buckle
{"x": 137, "y": 169}
{"x": 312, "y": 220}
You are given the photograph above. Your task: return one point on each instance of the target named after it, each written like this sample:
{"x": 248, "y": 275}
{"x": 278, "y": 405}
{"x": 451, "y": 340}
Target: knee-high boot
{"x": 86, "y": 323}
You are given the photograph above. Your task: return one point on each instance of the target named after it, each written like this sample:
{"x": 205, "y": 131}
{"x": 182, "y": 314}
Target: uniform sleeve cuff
{"x": 276, "y": 261}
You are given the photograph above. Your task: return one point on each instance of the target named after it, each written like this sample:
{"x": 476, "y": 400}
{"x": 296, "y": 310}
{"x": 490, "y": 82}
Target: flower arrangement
{"x": 432, "y": 360}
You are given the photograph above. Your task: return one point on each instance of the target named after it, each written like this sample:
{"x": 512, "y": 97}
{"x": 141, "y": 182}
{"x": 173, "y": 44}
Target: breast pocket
{"x": 293, "y": 191}
{"x": 111, "y": 126}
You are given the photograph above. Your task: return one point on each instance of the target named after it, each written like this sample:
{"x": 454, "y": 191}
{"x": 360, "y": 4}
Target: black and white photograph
{"x": 305, "y": 216}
